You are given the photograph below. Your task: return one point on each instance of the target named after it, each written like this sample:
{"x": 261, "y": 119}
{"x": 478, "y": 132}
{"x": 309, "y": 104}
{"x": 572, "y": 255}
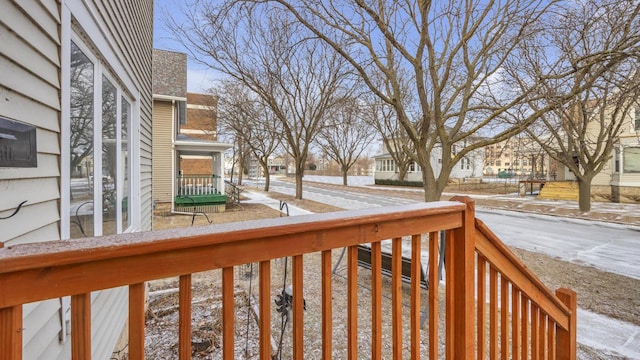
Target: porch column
{"x": 621, "y": 161}
{"x": 218, "y": 170}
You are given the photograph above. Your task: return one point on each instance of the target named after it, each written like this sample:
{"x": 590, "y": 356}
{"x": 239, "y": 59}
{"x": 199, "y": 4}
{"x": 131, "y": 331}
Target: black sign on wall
{"x": 17, "y": 144}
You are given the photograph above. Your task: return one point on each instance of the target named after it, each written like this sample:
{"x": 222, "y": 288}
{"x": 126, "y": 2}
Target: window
{"x": 181, "y": 112}
{"x": 100, "y": 166}
{"x": 462, "y": 164}
{"x": 631, "y": 160}
{"x": 498, "y": 163}
{"x": 617, "y": 160}
{"x": 524, "y": 163}
{"x": 81, "y": 152}
{"x": 506, "y": 164}
{"x": 637, "y": 122}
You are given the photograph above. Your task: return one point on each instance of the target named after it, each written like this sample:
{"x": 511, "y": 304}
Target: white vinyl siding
{"x": 45, "y": 338}
{"x": 109, "y": 311}
{"x": 33, "y": 37}
{"x": 30, "y": 93}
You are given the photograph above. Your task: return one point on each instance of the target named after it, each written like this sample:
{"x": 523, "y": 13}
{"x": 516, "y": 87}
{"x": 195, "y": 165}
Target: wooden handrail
{"x": 539, "y": 318}
{"x": 507, "y": 263}
{"x": 42, "y": 271}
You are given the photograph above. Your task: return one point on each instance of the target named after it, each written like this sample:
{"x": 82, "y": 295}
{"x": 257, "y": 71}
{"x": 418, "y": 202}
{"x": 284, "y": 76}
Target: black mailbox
{"x": 17, "y": 144}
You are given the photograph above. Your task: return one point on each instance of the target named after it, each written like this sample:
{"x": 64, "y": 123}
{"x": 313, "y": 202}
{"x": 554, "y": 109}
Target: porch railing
{"x": 493, "y": 306}
{"x": 190, "y": 185}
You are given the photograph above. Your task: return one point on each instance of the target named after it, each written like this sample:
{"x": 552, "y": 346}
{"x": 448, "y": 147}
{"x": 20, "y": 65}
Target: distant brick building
{"x": 184, "y": 137}
{"x": 517, "y": 156}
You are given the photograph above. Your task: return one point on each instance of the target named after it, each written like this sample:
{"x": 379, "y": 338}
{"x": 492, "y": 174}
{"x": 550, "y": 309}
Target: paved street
{"x": 611, "y": 247}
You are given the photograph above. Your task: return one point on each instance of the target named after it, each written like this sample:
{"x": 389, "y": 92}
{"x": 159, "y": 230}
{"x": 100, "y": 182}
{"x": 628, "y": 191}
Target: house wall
{"x": 473, "y": 168}
{"x": 196, "y": 165}
{"x": 163, "y": 161}
{"x": 30, "y": 93}
{"x": 201, "y": 117}
{"x": 169, "y": 73}
{"x": 35, "y": 41}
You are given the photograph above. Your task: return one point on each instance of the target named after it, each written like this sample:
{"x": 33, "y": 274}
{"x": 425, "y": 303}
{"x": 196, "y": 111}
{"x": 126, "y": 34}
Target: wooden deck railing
{"x": 525, "y": 319}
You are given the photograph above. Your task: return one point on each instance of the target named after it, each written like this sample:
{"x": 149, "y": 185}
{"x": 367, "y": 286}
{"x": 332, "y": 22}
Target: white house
{"x": 75, "y": 143}
{"x": 471, "y": 166}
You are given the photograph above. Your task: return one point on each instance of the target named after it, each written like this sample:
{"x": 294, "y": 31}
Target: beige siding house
{"x": 619, "y": 180}
{"x": 75, "y": 143}
{"x": 188, "y": 161}
{"x": 625, "y": 163}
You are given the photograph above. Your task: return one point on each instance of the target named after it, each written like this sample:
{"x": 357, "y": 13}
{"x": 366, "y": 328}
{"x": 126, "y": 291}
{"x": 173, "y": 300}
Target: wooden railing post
{"x": 184, "y": 319}
{"x": 11, "y": 333}
{"x": 566, "y": 339}
{"x": 81, "y": 326}
{"x": 463, "y": 266}
{"x": 136, "y": 321}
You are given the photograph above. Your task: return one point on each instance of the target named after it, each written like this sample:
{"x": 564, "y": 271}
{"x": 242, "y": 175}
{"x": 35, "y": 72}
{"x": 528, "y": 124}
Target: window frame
{"x": 76, "y": 21}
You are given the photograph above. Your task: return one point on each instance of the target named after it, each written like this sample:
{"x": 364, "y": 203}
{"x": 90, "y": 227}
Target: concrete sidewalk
{"x": 258, "y": 198}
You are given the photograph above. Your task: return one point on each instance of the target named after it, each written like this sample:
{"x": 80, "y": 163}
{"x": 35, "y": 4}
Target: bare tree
{"x": 295, "y": 75}
{"x": 250, "y": 120}
{"x": 240, "y": 154}
{"x": 346, "y": 134}
{"x": 452, "y": 54}
{"x": 81, "y": 134}
{"x": 582, "y": 133}
{"x": 394, "y": 139}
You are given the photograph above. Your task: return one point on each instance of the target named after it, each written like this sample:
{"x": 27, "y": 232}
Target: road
{"x": 609, "y": 247}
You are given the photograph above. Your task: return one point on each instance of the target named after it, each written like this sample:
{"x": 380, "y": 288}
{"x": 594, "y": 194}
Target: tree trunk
{"x": 298, "y": 185}
{"x": 402, "y": 173}
{"x": 240, "y": 173}
{"x": 299, "y": 167}
{"x": 431, "y": 192}
{"x": 584, "y": 193}
{"x": 267, "y": 178}
{"x": 344, "y": 175}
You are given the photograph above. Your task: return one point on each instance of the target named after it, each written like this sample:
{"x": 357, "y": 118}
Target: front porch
{"x": 493, "y": 306}
{"x": 202, "y": 193}
{"x": 198, "y": 184}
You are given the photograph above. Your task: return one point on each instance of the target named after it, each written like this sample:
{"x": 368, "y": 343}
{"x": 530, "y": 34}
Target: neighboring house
{"x": 519, "y": 156}
{"x": 619, "y": 180}
{"x": 625, "y": 169}
{"x": 622, "y": 174}
{"x": 277, "y": 164}
{"x": 75, "y": 143}
{"x": 188, "y": 161}
{"x": 469, "y": 167}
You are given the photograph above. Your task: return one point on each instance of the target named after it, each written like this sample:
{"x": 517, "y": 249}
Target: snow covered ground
{"x": 597, "y": 331}
{"x": 351, "y": 180}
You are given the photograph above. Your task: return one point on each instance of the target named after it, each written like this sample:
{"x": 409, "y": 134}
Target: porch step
{"x": 559, "y": 190}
